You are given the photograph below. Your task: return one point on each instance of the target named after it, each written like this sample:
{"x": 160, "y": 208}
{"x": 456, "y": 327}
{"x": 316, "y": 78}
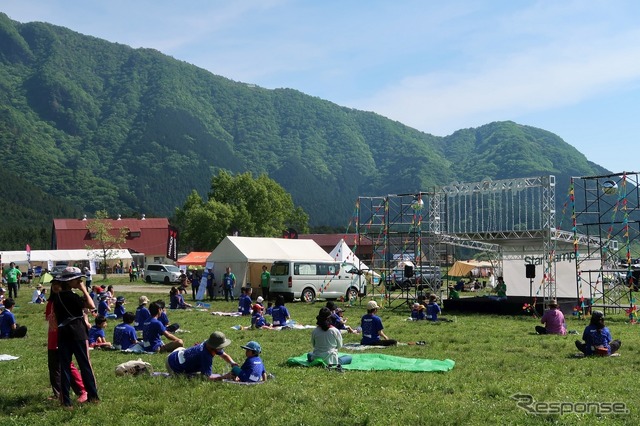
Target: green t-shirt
{"x": 501, "y": 289}
{"x": 13, "y": 275}
{"x": 264, "y": 278}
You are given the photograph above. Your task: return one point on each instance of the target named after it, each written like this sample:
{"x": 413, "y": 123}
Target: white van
{"x": 308, "y": 280}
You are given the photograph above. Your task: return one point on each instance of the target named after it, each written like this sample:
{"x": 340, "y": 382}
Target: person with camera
{"x": 69, "y": 308}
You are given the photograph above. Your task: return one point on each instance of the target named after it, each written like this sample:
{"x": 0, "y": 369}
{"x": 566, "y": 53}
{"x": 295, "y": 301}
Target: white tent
{"x": 246, "y": 256}
{"x": 342, "y": 253}
{"x": 53, "y": 256}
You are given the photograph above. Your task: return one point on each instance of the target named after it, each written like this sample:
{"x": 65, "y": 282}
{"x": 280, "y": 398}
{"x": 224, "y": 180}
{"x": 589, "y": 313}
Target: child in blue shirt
{"x": 372, "y": 328}
{"x": 252, "y": 369}
{"x": 9, "y": 329}
{"x": 280, "y": 313}
{"x": 124, "y": 335}
{"x": 96, "y": 333}
{"x": 339, "y": 321}
{"x": 257, "y": 320}
{"x": 119, "y": 308}
{"x": 244, "y": 302}
{"x": 142, "y": 313}
{"x": 417, "y": 312}
{"x": 103, "y": 307}
{"x": 433, "y": 310}
{"x": 153, "y": 332}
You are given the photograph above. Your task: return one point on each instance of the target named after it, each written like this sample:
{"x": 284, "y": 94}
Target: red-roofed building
{"x": 363, "y": 248}
{"x": 146, "y": 236}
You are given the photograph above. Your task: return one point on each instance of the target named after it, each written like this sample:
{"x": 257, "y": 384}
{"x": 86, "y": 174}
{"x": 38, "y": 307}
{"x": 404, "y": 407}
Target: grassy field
{"x": 496, "y": 358}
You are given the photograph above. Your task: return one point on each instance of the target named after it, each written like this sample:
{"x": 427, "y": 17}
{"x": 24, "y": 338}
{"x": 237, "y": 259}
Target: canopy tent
{"x": 246, "y": 256}
{"x": 342, "y": 253}
{"x": 54, "y": 256}
{"x": 463, "y": 268}
{"x": 195, "y": 258}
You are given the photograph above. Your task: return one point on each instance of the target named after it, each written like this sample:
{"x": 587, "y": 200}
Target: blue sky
{"x": 570, "y": 67}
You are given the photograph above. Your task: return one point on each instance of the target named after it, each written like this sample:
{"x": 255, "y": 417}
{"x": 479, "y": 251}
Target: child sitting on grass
{"x": 433, "y": 310}
{"x": 280, "y": 313}
{"x": 252, "y": 369}
{"x": 96, "y": 334}
{"x": 417, "y": 312}
{"x": 340, "y": 321}
{"x": 9, "y": 329}
{"x": 119, "y": 309}
{"x": 257, "y": 320}
{"x": 124, "y": 335}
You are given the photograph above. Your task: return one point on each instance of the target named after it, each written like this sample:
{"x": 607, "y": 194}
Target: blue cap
{"x": 253, "y": 346}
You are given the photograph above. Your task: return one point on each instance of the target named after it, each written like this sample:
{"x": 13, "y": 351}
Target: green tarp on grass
{"x": 382, "y": 362}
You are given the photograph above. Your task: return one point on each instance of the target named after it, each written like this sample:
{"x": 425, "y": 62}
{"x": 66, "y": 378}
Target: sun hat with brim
{"x": 372, "y": 305}
{"x": 253, "y": 346}
{"x": 218, "y": 340}
{"x": 69, "y": 273}
{"x": 143, "y": 300}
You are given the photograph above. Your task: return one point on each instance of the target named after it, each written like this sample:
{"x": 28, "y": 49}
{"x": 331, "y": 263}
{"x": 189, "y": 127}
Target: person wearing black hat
{"x": 199, "y": 358}
{"x": 69, "y": 309}
{"x": 597, "y": 338}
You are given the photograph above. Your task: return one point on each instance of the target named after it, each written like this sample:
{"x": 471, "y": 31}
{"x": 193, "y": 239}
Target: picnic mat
{"x": 368, "y": 362}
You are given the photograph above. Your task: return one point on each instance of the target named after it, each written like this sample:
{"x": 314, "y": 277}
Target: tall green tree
{"x": 105, "y": 238}
{"x": 257, "y": 207}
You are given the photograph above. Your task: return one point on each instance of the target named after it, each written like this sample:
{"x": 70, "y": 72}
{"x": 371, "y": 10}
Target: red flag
{"x": 28, "y": 248}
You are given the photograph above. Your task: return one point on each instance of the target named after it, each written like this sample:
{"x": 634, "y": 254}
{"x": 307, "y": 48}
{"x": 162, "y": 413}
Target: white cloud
{"x": 560, "y": 72}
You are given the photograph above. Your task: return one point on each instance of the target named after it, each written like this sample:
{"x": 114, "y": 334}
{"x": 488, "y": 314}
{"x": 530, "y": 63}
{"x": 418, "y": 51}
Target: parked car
{"x": 424, "y": 277}
{"x": 160, "y": 273}
{"x": 57, "y": 270}
{"x": 26, "y": 277}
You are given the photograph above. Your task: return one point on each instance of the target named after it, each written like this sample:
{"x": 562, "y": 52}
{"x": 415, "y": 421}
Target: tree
{"x": 105, "y": 237}
{"x": 255, "y": 207}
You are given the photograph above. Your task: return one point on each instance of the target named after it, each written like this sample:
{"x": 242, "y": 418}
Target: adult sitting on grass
{"x": 597, "y": 338}
{"x": 553, "y": 320}
{"x": 326, "y": 341}
{"x": 372, "y": 328}
{"x": 198, "y": 359}
{"x": 153, "y": 332}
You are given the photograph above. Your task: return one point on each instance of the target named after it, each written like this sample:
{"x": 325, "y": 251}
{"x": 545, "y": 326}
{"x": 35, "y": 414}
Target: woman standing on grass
{"x": 69, "y": 309}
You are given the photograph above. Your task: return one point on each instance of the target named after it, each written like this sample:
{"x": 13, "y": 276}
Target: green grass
{"x": 495, "y": 356}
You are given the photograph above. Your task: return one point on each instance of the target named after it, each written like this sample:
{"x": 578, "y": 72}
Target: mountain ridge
{"x": 99, "y": 125}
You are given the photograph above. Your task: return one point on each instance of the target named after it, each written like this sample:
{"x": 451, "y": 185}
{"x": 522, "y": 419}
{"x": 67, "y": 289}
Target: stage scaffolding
{"x": 606, "y": 209}
{"x": 482, "y": 215}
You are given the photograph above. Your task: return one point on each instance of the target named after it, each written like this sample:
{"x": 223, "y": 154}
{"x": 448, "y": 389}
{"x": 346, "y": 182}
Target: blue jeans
{"x": 228, "y": 293}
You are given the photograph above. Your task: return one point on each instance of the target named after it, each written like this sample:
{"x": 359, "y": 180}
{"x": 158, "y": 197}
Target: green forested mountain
{"x": 87, "y": 125}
